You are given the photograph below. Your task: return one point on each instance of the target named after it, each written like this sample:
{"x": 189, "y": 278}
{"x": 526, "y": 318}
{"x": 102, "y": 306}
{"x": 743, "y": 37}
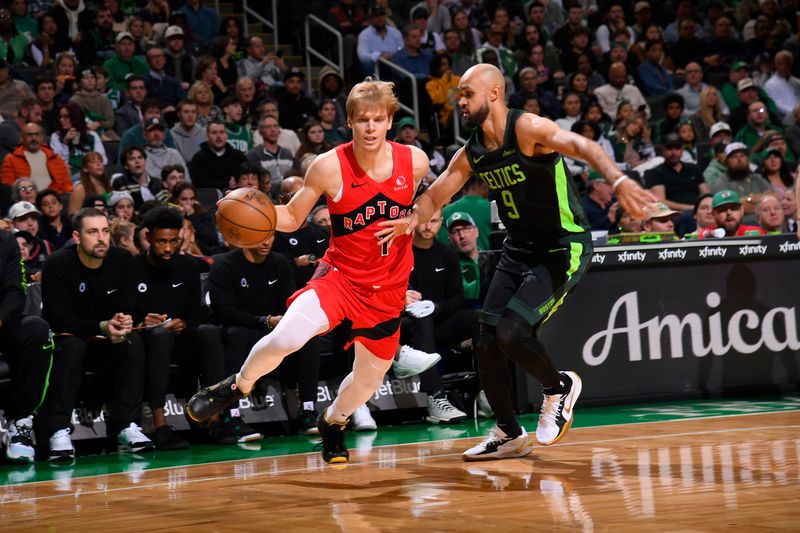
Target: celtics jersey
{"x": 239, "y": 137}
{"x": 536, "y": 198}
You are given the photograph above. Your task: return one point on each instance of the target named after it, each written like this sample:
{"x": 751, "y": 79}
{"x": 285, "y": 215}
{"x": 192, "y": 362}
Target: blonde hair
{"x": 710, "y": 115}
{"x": 121, "y": 229}
{"x": 372, "y": 94}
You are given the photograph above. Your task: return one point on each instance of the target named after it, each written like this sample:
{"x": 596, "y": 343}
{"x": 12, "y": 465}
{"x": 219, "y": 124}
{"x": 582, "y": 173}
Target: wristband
{"x": 104, "y": 328}
{"x": 618, "y": 181}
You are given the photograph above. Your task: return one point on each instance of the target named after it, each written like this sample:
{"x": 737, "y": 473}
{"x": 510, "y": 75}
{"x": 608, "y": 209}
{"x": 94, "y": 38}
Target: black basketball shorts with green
{"x": 547, "y": 249}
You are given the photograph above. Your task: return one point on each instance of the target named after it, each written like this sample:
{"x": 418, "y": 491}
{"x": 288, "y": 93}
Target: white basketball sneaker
{"x": 362, "y": 420}
{"x": 498, "y": 445}
{"x": 556, "y": 416}
{"x": 410, "y": 362}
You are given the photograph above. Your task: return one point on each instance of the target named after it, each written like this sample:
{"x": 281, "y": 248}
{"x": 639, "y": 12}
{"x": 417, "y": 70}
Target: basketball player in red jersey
{"x": 366, "y": 181}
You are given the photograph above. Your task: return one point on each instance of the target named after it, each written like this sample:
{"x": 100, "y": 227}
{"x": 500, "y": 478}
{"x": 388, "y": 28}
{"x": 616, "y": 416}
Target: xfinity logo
{"x": 745, "y": 332}
{"x": 624, "y": 257}
{"x": 713, "y": 251}
{"x": 678, "y": 253}
{"x": 599, "y": 258}
{"x": 787, "y": 247}
{"x": 759, "y": 249}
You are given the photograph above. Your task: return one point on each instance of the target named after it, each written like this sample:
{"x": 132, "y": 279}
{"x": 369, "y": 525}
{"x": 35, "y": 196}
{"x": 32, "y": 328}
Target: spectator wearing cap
{"x": 97, "y": 45}
{"x": 675, "y": 183}
{"x": 216, "y": 162}
{"x": 776, "y": 170}
{"x": 730, "y": 89}
{"x": 377, "y": 40}
{"x": 160, "y": 85}
{"x": 463, "y": 234}
{"x": 54, "y": 226}
{"x": 784, "y": 88}
{"x": 266, "y": 68}
{"x": 134, "y": 136}
{"x": 597, "y": 202}
{"x": 617, "y": 89}
{"x": 716, "y": 167}
{"x": 758, "y": 123}
{"x": 740, "y": 179}
{"x": 181, "y": 65}
{"x": 120, "y": 204}
{"x": 37, "y": 161}
{"x": 203, "y": 21}
{"x": 123, "y": 62}
{"x": 654, "y": 78}
{"x": 95, "y": 105}
{"x": 25, "y": 217}
{"x": 296, "y": 108}
{"x": 748, "y": 92}
{"x": 239, "y": 136}
{"x": 727, "y": 210}
{"x": 769, "y": 214}
{"x": 660, "y": 220}
{"x": 12, "y": 92}
{"x": 134, "y": 179}
{"x": 159, "y": 155}
{"x": 408, "y": 133}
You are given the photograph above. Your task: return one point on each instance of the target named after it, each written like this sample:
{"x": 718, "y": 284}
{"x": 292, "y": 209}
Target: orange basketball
{"x": 246, "y": 217}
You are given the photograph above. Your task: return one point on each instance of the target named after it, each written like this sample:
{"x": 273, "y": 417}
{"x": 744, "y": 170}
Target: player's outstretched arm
{"x": 323, "y": 175}
{"x": 533, "y": 130}
{"x": 426, "y": 204}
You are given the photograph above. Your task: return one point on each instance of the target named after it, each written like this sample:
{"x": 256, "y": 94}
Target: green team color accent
{"x": 96, "y": 465}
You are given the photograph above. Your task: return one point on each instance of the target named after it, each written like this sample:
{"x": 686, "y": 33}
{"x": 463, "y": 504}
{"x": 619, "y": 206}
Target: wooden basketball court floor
{"x": 727, "y": 468}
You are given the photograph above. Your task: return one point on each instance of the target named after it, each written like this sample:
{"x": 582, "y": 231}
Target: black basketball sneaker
{"x": 212, "y": 401}
{"x": 334, "y": 450}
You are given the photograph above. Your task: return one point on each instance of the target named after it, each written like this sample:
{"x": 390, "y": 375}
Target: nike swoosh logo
{"x": 476, "y": 159}
{"x": 509, "y": 152}
{"x": 271, "y": 282}
{"x": 321, "y": 240}
{"x": 176, "y": 285}
{"x": 356, "y": 185}
{"x": 464, "y": 271}
{"x": 438, "y": 269}
{"x": 112, "y": 290}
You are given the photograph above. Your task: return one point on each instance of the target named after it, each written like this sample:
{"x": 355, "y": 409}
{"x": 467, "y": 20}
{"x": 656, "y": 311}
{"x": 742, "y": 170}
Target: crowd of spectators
{"x": 122, "y": 126}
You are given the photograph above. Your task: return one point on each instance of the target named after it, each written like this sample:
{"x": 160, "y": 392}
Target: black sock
{"x": 561, "y": 387}
{"x": 511, "y": 429}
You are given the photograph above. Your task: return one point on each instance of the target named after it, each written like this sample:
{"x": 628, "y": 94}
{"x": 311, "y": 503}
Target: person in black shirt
{"x": 248, "y": 289}
{"x": 26, "y": 344}
{"x": 674, "y": 182}
{"x": 54, "y": 227}
{"x": 88, "y": 299}
{"x": 168, "y": 306}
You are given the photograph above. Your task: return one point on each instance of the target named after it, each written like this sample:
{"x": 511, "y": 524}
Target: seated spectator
{"x": 408, "y": 133}
{"x": 591, "y": 130}
{"x": 632, "y": 145}
{"x": 24, "y": 190}
{"x": 155, "y": 15}
{"x": 88, "y": 307}
{"x": 702, "y": 217}
{"x": 739, "y": 178}
{"x": 377, "y": 40}
{"x": 120, "y": 203}
{"x": 673, "y": 110}
{"x": 114, "y": 95}
{"x": 123, "y": 62}
{"x": 312, "y": 141}
{"x": 691, "y": 150}
{"x": 134, "y": 136}
{"x": 725, "y": 42}
{"x": 12, "y": 91}
{"x": 649, "y": 34}
{"x": 769, "y": 214}
{"x": 709, "y": 113}
{"x": 223, "y": 49}
{"x": 286, "y": 137}
{"x": 618, "y": 89}
{"x": 624, "y": 222}
{"x": 184, "y": 195}
{"x": 727, "y": 211}
{"x": 442, "y": 88}
{"x": 36, "y": 162}
{"x": 246, "y": 93}
{"x": 528, "y": 81}
{"x": 45, "y": 91}
{"x": 159, "y": 155}
{"x": 571, "y": 111}
{"x": 327, "y": 119}
{"x": 203, "y": 20}
{"x": 181, "y": 65}
{"x": 73, "y": 139}
{"x": 187, "y": 134}
{"x": 578, "y": 46}
{"x": 54, "y": 227}
{"x": 216, "y": 162}
{"x": 271, "y": 156}
{"x": 93, "y": 182}
{"x": 95, "y": 105}
{"x": 349, "y": 18}
{"x": 333, "y": 88}
{"x": 64, "y": 70}
{"x": 207, "y": 74}
{"x": 171, "y": 176}
{"x": 758, "y": 122}
{"x": 792, "y": 133}
{"x": 130, "y": 114}
{"x": 15, "y": 42}
{"x": 266, "y": 68}
{"x": 233, "y": 115}
{"x": 749, "y": 93}
{"x": 597, "y": 202}
{"x": 135, "y": 178}
{"x": 660, "y": 220}
{"x": 168, "y": 306}
{"x": 49, "y": 43}
{"x": 160, "y": 85}
{"x": 123, "y": 234}
{"x": 790, "y": 207}
{"x": 25, "y": 217}
{"x": 506, "y": 61}
{"x": 25, "y": 343}
{"x": 207, "y": 112}
{"x": 460, "y": 59}
{"x": 295, "y": 107}
{"x": 97, "y": 45}
{"x": 615, "y": 21}
{"x": 776, "y": 171}
{"x": 413, "y": 57}
{"x": 675, "y": 183}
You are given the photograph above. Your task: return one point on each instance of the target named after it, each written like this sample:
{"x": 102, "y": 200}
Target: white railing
{"x": 248, "y": 11}
{"x": 310, "y": 50}
{"x": 414, "y": 109}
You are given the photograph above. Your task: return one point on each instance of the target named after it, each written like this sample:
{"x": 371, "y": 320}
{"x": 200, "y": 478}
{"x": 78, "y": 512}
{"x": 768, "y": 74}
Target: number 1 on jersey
{"x": 508, "y": 199}
{"x": 385, "y": 249}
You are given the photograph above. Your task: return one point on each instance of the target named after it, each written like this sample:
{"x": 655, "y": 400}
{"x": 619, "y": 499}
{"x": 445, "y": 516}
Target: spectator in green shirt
{"x": 475, "y": 203}
{"x": 123, "y": 63}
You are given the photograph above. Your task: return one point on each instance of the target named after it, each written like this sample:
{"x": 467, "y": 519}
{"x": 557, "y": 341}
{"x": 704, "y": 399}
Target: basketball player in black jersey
{"x": 548, "y": 247}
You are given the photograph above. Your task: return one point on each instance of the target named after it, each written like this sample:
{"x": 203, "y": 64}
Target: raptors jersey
{"x": 363, "y": 202}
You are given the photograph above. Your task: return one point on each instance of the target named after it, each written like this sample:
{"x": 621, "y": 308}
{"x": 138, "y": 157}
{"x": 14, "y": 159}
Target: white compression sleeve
{"x": 303, "y": 320}
{"x": 359, "y": 385}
